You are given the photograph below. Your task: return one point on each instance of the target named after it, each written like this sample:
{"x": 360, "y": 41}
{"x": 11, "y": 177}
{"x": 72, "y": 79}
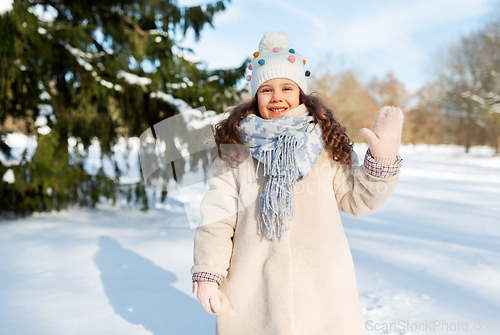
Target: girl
{"x": 281, "y": 264}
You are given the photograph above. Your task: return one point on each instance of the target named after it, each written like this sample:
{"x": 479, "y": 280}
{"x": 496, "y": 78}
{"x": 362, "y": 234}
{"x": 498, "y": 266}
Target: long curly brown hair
{"x": 335, "y": 140}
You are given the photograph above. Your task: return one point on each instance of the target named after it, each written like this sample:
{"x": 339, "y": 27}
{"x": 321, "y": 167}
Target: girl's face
{"x": 277, "y": 96}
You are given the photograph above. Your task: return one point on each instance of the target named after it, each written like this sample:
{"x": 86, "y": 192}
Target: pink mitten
{"x": 385, "y": 137}
{"x": 213, "y": 301}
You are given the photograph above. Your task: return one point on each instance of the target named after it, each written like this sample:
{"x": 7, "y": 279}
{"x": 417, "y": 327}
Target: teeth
{"x": 278, "y": 109}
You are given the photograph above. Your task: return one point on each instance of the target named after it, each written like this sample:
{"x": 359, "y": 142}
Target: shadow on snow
{"x": 142, "y": 293}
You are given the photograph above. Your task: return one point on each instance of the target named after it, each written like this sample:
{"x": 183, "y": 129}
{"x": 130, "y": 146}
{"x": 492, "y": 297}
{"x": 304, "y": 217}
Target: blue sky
{"x": 370, "y": 37}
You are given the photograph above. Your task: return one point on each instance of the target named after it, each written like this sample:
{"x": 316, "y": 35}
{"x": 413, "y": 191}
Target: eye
{"x": 287, "y": 88}
{"x": 265, "y": 90}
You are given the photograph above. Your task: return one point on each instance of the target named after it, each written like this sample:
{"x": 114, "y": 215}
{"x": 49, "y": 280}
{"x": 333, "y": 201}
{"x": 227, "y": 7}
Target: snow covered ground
{"x": 428, "y": 261}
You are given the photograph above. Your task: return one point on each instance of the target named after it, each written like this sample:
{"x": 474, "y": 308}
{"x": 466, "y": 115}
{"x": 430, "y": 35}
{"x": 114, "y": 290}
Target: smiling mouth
{"x": 278, "y": 110}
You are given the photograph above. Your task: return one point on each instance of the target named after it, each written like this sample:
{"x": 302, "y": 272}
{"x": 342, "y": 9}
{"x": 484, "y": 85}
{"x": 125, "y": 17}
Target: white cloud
{"x": 232, "y": 14}
{"x": 315, "y": 23}
{"x": 387, "y": 35}
{"x": 219, "y": 51}
{"x": 239, "y": 29}
{"x": 385, "y": 26}
{"x": 375, "y": 36}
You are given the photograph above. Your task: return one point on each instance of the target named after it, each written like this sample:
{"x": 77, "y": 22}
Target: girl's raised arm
{"x": 362, "y": 190}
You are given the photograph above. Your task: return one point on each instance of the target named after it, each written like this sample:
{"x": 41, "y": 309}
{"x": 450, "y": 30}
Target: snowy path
{"x": 432, "y": 252}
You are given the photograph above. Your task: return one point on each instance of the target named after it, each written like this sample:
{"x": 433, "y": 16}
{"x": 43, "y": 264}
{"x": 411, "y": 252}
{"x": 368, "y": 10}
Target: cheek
{"x": 295, "y": 101}
{"x": 261, "y": 103}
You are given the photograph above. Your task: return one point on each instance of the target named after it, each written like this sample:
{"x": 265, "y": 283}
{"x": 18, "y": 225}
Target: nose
{"x": 277, "y": 97}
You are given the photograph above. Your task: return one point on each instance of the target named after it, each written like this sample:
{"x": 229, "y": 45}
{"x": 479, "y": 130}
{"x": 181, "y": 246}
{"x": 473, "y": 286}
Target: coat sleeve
{"x": 213, "y": 242}
{"x": 360, "y": 193}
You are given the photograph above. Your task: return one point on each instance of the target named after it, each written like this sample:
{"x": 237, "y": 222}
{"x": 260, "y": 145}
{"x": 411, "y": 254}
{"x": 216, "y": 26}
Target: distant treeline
{"x": 460, "y": 105}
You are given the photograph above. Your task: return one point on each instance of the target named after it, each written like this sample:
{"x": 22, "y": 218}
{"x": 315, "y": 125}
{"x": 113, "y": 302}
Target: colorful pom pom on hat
{"x": 276, "y": 59}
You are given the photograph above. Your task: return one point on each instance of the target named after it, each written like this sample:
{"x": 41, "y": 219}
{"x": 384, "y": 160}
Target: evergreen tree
{"x": 97, "y": 70}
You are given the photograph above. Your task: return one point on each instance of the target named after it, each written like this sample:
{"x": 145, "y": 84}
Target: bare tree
{"x": 469, "y": 79}
{"x": 354, "y": 106}
{"x": 425, "y": 122}
{"x": 389, "y": 91}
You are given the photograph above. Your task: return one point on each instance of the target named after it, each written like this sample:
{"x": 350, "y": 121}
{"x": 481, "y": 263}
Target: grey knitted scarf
{"x": 288, "y": 148}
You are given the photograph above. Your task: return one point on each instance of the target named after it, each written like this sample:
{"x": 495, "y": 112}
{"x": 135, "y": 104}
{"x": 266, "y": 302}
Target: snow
{"x": 18, "y": 144}
{"x": 79, "y": 55}
{"x": 133, "y": 78}
{"x": 45, "y": 95}
{"x": 430, "y": 257}
{"x": 179, "y": 103}
{"x": 176, "y": 86}
{"x": 41, "y": 121}
{"x": 5, "y": 6}
{"x": 158, "y": 32}
{"x": 9, "y": 177}
{"x": 194, "y": 119}
{"x": 213, "y": 78}
{"x": 110, "y": 85}
{"x": 432, "y": 251}
{"x": 44, "y": 130}
{"x": 200, "y": 118}
{"x": 45, "y": 13}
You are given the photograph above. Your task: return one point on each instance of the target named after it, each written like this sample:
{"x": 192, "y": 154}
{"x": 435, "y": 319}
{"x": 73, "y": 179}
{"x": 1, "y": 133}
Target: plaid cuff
{"x": 206, "y": 276}
{"x": 381, "y": 171}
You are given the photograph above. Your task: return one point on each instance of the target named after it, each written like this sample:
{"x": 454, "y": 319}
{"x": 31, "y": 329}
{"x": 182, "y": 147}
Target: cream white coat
{"x": 305, "y": 283}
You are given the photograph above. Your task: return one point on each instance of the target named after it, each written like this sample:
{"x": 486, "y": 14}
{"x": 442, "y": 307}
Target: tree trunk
{"x": 468, "y": 128}
{"x": 497, "y": 146}
{"x": 467, "y": 138}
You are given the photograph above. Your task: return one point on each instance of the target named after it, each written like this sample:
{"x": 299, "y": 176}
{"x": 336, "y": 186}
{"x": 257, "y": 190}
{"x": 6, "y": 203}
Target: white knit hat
{"x": 276, "y": 59}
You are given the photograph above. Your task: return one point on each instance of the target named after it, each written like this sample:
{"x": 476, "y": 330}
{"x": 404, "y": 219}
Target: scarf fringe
{"x": 277, "y": 200}
{"x": 288, "y": 148}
